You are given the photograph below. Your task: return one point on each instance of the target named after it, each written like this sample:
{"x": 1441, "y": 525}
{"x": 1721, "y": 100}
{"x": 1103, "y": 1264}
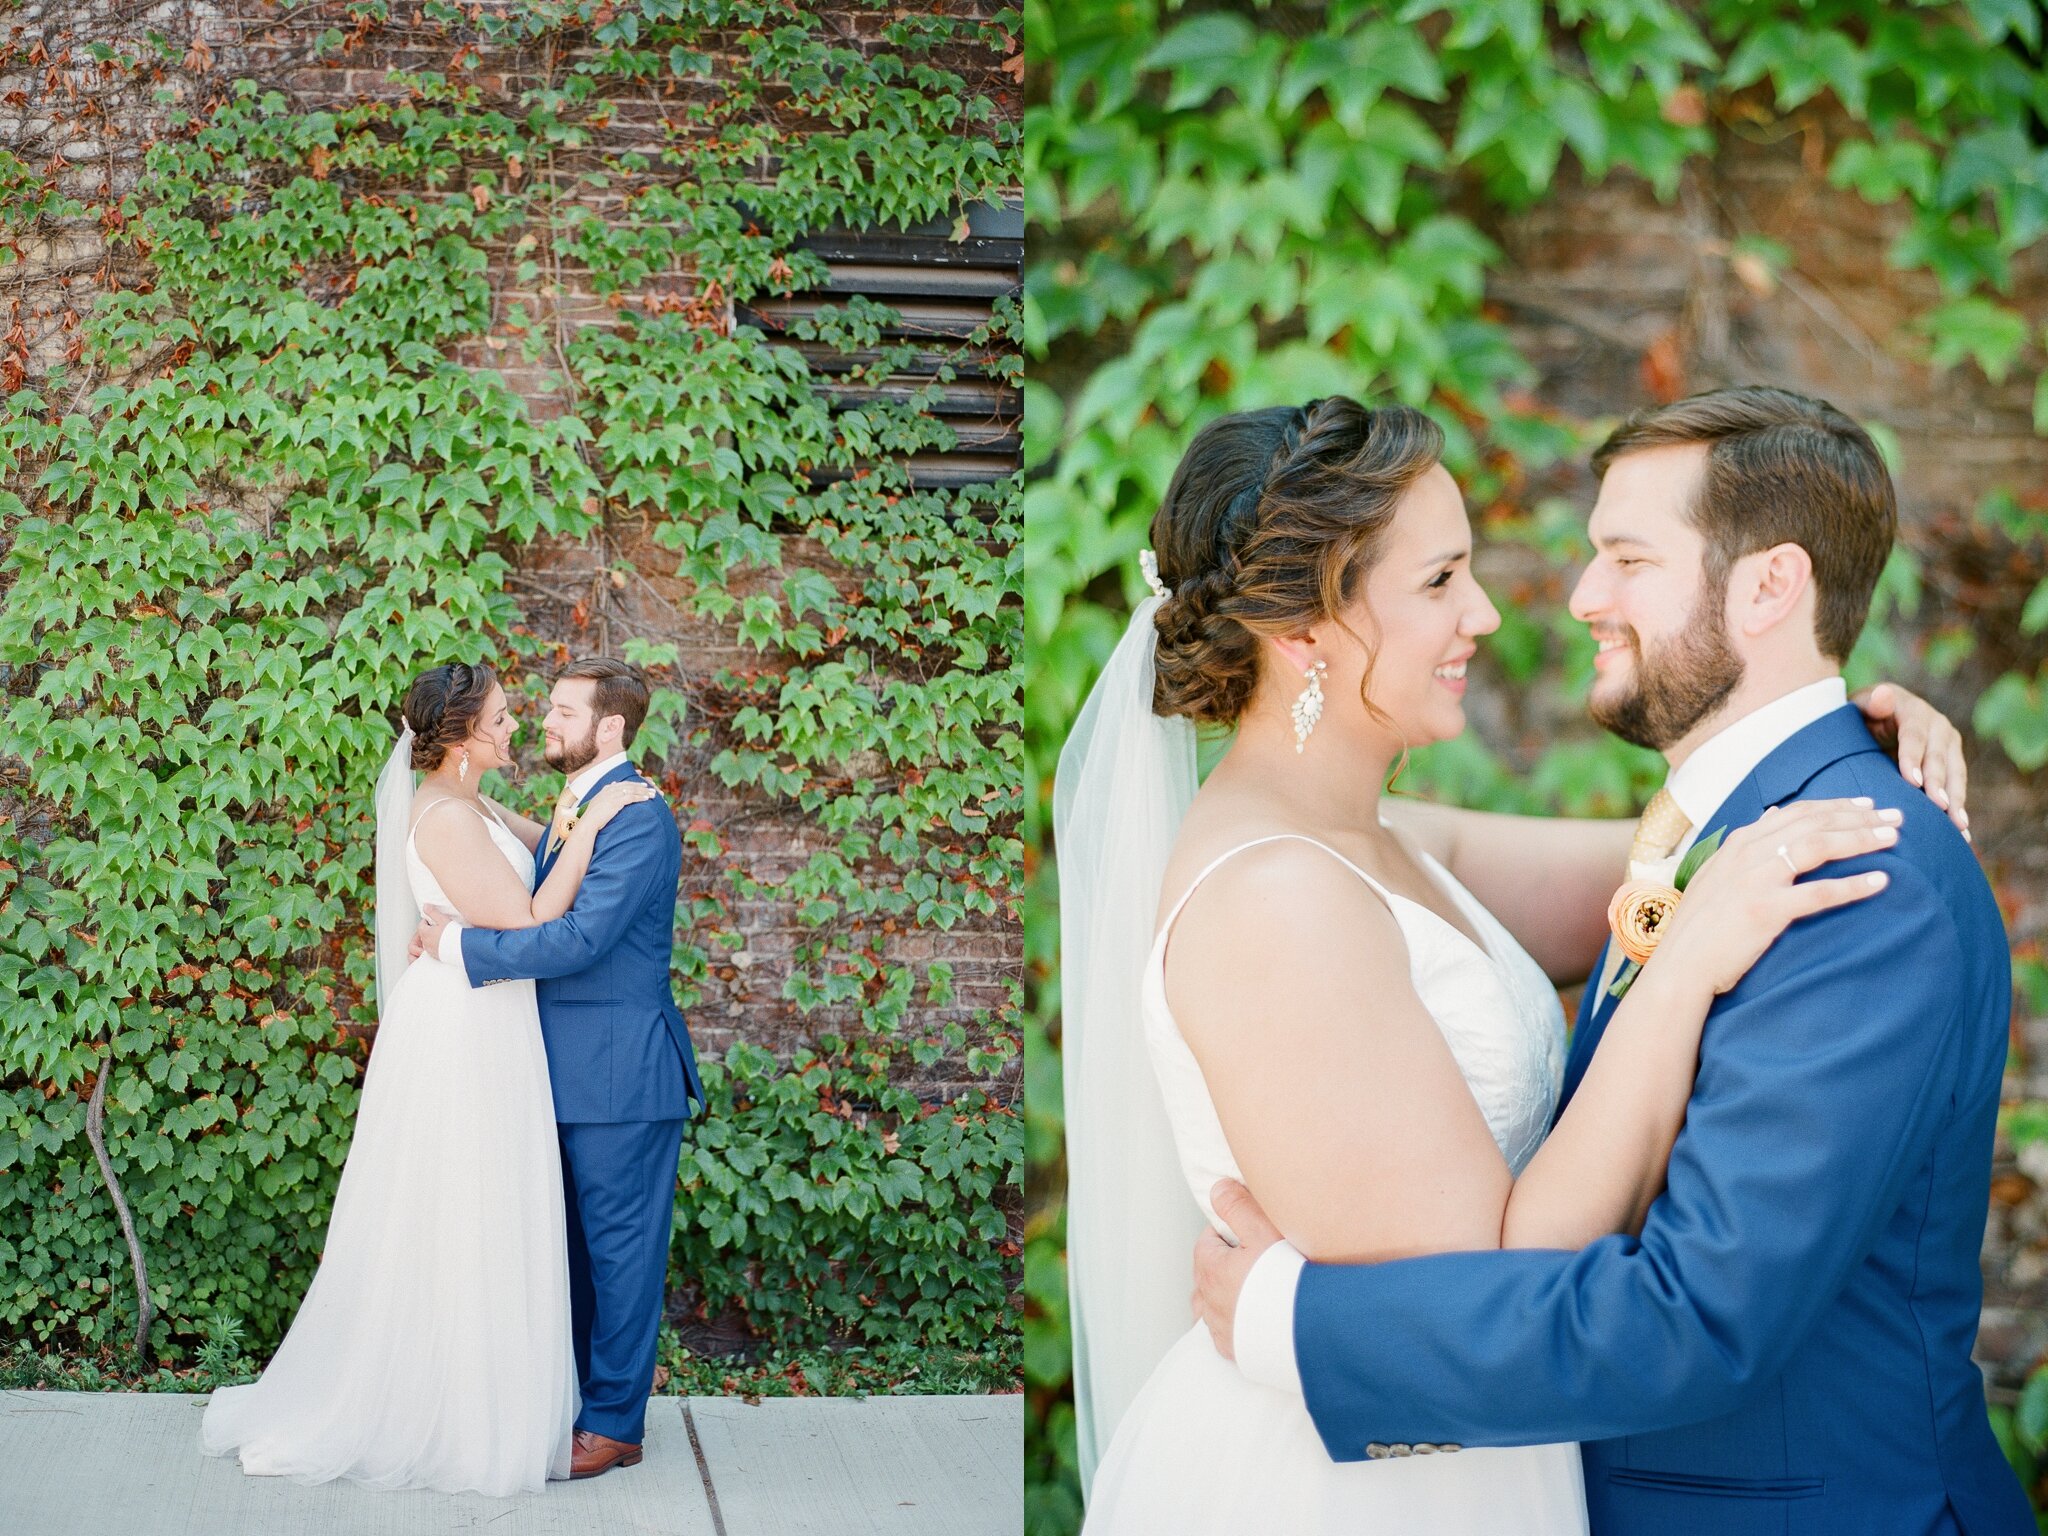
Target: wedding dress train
{"x": 1203, "y": 1449}
{"x": 433, "y": 1349}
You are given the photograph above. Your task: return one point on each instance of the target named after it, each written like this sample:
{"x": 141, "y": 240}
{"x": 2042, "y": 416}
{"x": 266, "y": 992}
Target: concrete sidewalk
{"x": 73, "y": 1463}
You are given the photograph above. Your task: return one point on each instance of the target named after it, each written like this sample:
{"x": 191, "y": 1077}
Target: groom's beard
{"x": 574, "y": 756}
{"x": 1678, "y": 685}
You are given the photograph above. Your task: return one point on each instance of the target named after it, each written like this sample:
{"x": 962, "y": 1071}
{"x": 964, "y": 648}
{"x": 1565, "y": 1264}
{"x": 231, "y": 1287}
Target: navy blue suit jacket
{"x": 618, "y": 1047}
{"x": 1787, "y": 1345}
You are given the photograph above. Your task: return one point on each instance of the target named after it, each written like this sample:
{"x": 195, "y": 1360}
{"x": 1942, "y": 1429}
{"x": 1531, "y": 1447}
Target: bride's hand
{"x": 1929, "y": 746}
{"x": 1744, "y": 896}
{"x": 614, "y": 798}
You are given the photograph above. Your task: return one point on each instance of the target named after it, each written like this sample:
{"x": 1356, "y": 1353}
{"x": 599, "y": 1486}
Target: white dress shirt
{"x": 1263, "y": 1327}
{"x": 450, "y": 949}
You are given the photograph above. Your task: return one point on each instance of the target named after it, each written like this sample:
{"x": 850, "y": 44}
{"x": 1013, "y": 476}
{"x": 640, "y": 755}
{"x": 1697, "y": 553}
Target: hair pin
{"x": 1149, "y": 564}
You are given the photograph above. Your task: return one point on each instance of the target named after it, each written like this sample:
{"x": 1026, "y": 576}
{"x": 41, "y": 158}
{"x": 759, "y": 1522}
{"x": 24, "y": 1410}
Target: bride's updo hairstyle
{"x": 1273, "y": 519}
{"x": 442, "y": 705}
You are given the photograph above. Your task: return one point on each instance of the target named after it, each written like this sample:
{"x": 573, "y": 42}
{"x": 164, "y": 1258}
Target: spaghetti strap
{"x": 451, "y": 800}
{"x": 1299, "y": 837}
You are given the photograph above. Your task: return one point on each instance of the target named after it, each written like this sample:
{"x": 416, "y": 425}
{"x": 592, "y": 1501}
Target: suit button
{"x": 1400, "y": 1450}
{"x": 1376, "y": 1452}
{"x": 1424, "y": 1448}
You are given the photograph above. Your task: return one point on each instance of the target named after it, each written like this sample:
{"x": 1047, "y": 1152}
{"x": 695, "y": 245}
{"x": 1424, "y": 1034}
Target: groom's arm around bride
{"x": 1832, "y": 1170}
{"x": 610, "y": 949}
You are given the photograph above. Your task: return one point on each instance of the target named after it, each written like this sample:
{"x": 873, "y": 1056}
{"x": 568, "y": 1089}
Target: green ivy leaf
{"x": 1204, "y": 53}
{"x": 1977, "y": 329}
{"x": 2014, "y": 712}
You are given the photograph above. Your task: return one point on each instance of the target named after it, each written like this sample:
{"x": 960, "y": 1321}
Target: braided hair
{"x": 442, "y": 706}
{"x": 1271, "y": 521}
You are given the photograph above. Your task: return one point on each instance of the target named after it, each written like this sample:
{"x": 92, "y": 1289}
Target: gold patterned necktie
{"x": 565, "y": 814}
{"x": 1658, "y": 834}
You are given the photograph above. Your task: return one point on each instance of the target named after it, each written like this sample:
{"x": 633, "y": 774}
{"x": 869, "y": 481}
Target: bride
{"x": 433, "y": 1348}
{"x": 1330, "y": 1014}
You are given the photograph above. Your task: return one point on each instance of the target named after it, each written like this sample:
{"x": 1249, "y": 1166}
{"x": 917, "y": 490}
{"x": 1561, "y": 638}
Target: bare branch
{"x": 95, "y": 1132}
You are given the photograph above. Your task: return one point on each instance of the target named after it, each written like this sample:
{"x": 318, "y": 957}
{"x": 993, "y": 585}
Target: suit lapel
{"x": 1780, "y": 776}
{"x": 1585, "y": 1034}
{"x": 546, "y": 861}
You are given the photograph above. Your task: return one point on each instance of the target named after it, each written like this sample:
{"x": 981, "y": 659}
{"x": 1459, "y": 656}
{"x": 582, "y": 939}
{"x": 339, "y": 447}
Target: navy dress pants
{"x": 619, "y": 1188}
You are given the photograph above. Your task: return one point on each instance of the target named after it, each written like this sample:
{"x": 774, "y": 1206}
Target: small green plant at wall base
{"x": 220, "y": 1362}
{"x": 891, "y": 1369}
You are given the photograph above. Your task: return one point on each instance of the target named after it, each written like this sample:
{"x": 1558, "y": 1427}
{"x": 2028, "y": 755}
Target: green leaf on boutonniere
{"x": 1700, "y": 852}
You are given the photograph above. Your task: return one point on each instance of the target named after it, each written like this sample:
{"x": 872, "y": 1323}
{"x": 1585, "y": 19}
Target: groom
{"x": 619, "y": 1054}
{"x": 1786, "y": 1346}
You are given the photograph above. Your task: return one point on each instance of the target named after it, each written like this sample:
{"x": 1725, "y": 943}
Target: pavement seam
{"x": 704, "y": 1471}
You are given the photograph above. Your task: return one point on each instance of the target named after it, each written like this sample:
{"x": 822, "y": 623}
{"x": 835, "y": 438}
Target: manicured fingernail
{"x": 1891, "y": 814}
{"x": 1876, "y": 879}
{"x": 1863, "y": 800}
{"x": 1964, "y": 818}
{"x": 1913, "y": 776}
{"x": 1887, "y": 834}
{"x": 1940, "y": 797}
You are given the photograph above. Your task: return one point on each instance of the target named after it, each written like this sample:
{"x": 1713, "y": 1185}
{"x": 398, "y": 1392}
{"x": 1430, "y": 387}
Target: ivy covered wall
{"x": 355, "y": 339}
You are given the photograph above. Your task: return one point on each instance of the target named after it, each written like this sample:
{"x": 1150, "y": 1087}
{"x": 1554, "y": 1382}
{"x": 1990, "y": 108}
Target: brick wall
{"x": 57, "y": 103}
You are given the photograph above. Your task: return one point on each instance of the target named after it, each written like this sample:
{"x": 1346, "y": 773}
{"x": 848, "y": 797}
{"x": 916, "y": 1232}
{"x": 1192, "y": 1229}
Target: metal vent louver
{"x": 943, "y": 289}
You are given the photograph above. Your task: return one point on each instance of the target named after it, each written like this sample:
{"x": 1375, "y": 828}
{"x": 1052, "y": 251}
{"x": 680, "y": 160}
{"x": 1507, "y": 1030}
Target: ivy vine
{"x": 264, "y": 485}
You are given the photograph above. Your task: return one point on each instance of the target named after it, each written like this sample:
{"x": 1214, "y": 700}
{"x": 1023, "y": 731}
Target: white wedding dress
{"x": 1204, "y": 1449}
{"x": 433, "y": 1349}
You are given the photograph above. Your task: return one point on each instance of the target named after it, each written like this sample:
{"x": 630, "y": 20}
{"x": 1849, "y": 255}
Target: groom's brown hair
{"x": 620, "y": 690}
{"x": 1781, "y": 469}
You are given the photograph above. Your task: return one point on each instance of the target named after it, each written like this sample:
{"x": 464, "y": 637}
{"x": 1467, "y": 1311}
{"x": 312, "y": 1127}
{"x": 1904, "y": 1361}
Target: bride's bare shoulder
{"x": 1285, "y": 930}
{"x": 435, "y": 835}
{"x": 1242, "y": 875}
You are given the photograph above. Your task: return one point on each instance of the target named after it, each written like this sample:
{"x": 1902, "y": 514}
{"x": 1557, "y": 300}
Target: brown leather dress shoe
{"x": 592, "y": 1453}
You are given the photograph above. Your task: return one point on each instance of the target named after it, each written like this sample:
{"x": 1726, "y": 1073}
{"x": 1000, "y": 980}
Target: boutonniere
{"x": 1642, "y": 909}
{"x": 564, "y": 826}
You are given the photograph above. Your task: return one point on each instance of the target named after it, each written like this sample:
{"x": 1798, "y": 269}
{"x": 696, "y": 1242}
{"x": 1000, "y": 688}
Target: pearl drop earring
{"x": 462, "y": 768}
{"x": 1308, "y": 704}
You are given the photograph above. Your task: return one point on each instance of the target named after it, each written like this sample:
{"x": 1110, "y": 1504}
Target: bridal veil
{"x": 398, "y": 914}
{"x": 1124, "y": 782}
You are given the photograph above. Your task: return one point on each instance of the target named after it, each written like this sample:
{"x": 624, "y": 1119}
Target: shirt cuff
{"x": 1263, "y": 1328}
{"x": 450, "y": 950}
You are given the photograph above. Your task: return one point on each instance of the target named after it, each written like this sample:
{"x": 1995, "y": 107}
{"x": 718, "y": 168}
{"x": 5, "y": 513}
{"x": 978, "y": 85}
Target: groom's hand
{"x": 1220, "y": 1269}
{"x": 426, "y": 939}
